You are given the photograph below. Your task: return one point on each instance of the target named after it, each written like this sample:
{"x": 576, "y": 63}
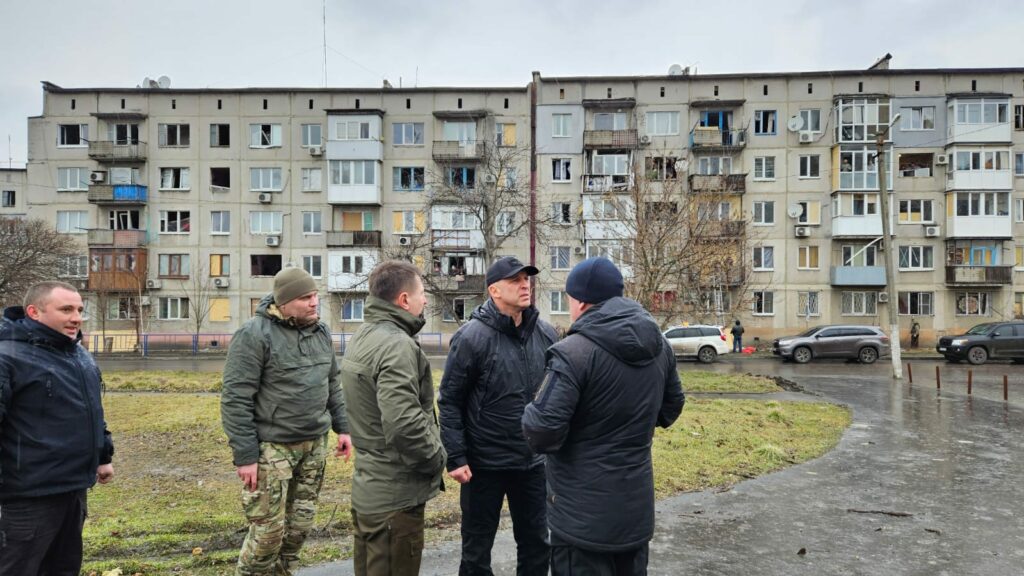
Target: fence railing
{"x": 210, "y": 344}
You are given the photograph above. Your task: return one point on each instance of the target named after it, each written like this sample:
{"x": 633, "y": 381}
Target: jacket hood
{"x": 623, "y": 329}
{"x": 268, "y": 309}
{"x": 489, "y": 314}
{"x": 18, "y": 326}
{"x": 378, "y": 310}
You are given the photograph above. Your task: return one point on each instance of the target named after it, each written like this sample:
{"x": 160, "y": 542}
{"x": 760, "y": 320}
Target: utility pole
{"x": 887, "y": 249}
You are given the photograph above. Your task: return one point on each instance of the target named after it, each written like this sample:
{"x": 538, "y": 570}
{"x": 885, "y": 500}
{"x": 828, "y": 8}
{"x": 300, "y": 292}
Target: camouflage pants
{"x": 280, "y": 512}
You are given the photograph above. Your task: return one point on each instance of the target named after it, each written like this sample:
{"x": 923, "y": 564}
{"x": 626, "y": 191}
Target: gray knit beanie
{"x": 290, "y": 283}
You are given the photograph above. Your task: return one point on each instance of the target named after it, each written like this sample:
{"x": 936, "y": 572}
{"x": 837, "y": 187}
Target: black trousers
{"x": 568, "y": 560}
{"x": 481, "y": 500}
{"x": 42, "y": 535}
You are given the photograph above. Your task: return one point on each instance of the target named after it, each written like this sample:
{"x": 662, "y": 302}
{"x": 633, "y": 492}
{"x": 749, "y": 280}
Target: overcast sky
{"x": 241, "y": 43}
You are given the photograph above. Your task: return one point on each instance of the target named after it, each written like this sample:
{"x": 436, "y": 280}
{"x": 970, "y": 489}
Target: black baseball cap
{"x": 508, "y": 267}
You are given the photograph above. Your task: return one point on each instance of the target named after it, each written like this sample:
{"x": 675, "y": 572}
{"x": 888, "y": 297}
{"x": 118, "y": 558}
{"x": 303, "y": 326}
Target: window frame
{"x": 218, "y": 219}
{"x": 762, "y": 204}
{"x": 271, "y": 173}
{"x": 763, "y": 258}
{"x": 275, "y": 217}
{"x": 307, "y": 135}
{"x": 183, "y": 222}
{"x": 766, "y": 300}
{"x": 261, "y": 138}
{"x": 765, "y": 120}
{"x": 762, "y": 165}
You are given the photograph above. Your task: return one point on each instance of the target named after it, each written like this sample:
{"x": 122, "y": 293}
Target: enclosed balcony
{"x": 117, "y": 238}
{"x": 714, "y": 139}
{"x": 610, "y": 139}
{"x": 979, "y": 275}
{"x": 710, "y": 183}
{"x": 117, "y": 194}
{"x": 456, "y": 240}
{"x": 118, "y": 269}
{"x": 857, "y": 275}
{"x": 353, "y": 239}
{"x": 601, "y": 183}
{"x": 117, "y": 150}
{"x": 978, "y": 117}
{"x": 458, "y": 150}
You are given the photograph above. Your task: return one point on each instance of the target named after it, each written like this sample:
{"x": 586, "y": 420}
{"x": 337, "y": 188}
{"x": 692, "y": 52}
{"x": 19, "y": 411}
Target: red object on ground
{"x": 749, "y": 349}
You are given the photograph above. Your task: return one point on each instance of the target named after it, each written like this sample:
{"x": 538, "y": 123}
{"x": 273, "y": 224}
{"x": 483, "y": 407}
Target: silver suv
{"x": 864, "y": 343}
{"x": 704, "y": 342}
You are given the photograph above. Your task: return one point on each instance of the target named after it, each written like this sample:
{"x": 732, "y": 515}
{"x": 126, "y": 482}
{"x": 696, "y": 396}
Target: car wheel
{"x": 802, "y": 355}
{"x": 707, "y": 355}
{"x": 867, "y": 355}
{"x": 977, "y": 355}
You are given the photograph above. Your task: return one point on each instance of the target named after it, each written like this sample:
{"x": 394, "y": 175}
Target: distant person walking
{"x": 915, "y": 333}
{"x": 737, "y": 337}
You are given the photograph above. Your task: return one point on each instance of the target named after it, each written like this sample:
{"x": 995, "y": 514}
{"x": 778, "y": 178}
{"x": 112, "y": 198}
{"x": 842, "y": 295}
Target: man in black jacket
{"x": 54, "y": 443}
{"x": 608, "y": 384}
{"x": 494, "y": 366}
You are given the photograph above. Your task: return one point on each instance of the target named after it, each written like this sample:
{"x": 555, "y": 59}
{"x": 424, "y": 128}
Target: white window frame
{"x": 764, "y": 168}
{"x": 72, "y": 221}
{"x": 560, "y": 257}
{"x": 758, "y": 215}
{"x": 984, "y": 298}
{"x": 923, "y": 308}
{"x": 175, "y": 219}
{"x": 763, "y": 258}
{"x": 220, "y": 222}
{"x": 921, "y": 253}
{"x": 312, "y": 179}
{"x": 66, "y": 182}
{"x": 83, "y": 136}
{"x": 916, "y": 118}
{"x": 766, "y": 299}
{"x": 352, "y": 130}
{"x": 182, "y": 135}
{"x": 352, "y": 304}
{"x": 352, "y": 264}
{"x": 448, "y": 313}
{"x": 858, "y": 256}
{"x": 73, "y": 267}
{"x": 505, "y": 223}
{"x": 559, "y": 302}
{"x": 810, "y": 166}
{"x": 561, "y": 125}
{"x": 766, "y": 122}
{"x": 353, "y": 172}
{"x": 560, "y": 215}
{"x": 805, "y": 215}
{"x": 1019, "y": 216}
{"x": 172, "y": 308}
{"x": 265, "y": 136}
{"x": 312, "y": 222}
{"x": 808, "y": 304}
{"x": 561, "y": 170}
{"x": 812, "y": 120}
{"x": 265, "y": 223}
{"x": 407, "y": 133}
{"x": 408, "y": 222}
{"x": 164, "y": 265}
{"x": 314, "y": 265}
{"x": 170, "y": 176}
{"x": 663, "y": 123}
{"x": 920, "y": 205}
{"x": 399, "y": 172}
{"x": 265, "y": 179}
{"x": 803, "y": 257}
{"x": 966, "y": 109}
{"x": 714, "y": 165}
{"x": 861, "y": 303}
{"x": 311, "y": 139}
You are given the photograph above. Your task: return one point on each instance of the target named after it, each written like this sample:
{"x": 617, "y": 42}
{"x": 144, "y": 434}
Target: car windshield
{"x": 808, "y": 332}
{"x": 981, "y": 329}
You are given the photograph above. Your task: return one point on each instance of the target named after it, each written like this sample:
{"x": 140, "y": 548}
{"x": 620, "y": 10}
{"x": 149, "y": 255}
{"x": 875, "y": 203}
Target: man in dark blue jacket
{"x": 54, "y": 443}
{"x": 608, "y": 384}
{"x": 494, "y": 366}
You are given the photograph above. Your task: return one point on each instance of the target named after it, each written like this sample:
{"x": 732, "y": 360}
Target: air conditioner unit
{"x": 316, "y": 150}
{"x": 941, "y": 159}
{"x": 144, "y": 301}
{"x": 404, "y": 240}
{"x": 273, "y": 240}
{"x": 802, "y": 231}
{"x": 645, "y": 139}
{"x": 578, "y": 250}
{"x": 932, "y": 231}
{"x": 806, "y": 137}
{"x": 883, "y": 297}
{"x": 222, "y": 282}
{"x": 98, "y": 177}
{"x": 266, "y": 198}
{"x": 154, "y": 284}
{"x": 489, "y": 179}
{"x": 81, "y": 283}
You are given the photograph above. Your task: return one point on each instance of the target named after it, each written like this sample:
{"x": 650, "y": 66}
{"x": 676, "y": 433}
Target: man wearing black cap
{"x": 494, "y": 366}
{"x": 607, "y": 385}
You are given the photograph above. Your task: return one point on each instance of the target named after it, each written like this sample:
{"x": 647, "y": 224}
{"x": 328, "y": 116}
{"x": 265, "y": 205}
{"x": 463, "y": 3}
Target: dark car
{"x": 864, "y": 343}
{"x": 984, "y": 342}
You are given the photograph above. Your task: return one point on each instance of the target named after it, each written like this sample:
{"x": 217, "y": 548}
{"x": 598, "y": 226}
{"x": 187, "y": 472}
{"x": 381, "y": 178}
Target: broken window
{"x": 561, "y": 212}
{"x": 174, "y": 179}
{"x": 220, "y": 177}
{"x": 661, "y": 168}
{"x": 220, "y": 135}
{"x": 123, "y": 220}
{"x": 264, "y": 135}
{"x": 124, "y": 134}
{"x": 264, "y": 264}
{"x": 174, "y": 135}
{"x": 407, "y": 178}
{"x": 462, "y": 177}
{"x": 561, "y": 169}
{"x": 72, "y": 134}
{"x": 916, "y": 165}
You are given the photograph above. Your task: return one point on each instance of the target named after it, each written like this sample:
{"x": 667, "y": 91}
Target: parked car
{"x": 984, "y": 342}
{"x": 864, "y": 343}
{"x": 700, "y": 341}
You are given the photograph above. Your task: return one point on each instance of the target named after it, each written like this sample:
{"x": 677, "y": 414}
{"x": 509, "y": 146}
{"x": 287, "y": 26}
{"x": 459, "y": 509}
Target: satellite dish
{"x": 163, "y": 82}
{"x": 675, "y": 70}
{"x": 146, "y": 82}
{"x": 795, "y": 124}
{"x": 794, "y": 210}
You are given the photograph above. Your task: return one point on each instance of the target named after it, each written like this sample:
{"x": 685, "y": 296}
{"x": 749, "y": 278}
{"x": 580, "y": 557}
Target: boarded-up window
{"x": 220, "y": 310}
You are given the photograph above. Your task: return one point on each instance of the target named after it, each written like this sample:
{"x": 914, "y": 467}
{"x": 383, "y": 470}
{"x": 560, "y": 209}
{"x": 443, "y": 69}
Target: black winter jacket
{"x": 608, "y": 384}
{"x": 492, "y": 372}
{"x": 52, "y": 432}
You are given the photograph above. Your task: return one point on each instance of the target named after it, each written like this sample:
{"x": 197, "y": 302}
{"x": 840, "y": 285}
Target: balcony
{"x": 353, "y": 239}
{"x": 117, "y": 238}
{"x": 707, "y": 183}
{"x": 979, "y": 275}
{"x": 610, "y": 139}
{"x": 462, "y": 283}
{"x": 857, "y": 275}
{"x": 721, "y": 228}
{"x": 456, "y": 240}
{"x": 117, "y": 194}
{"x": 368, "y": 149}
{"x": 602, "y": 183}
{"x": 118, "y": 270}
{"x": 979, "y": 180}
{"x": 714, "y": 139}
{"x": 869, "y": 226}
{"x": 117, "y": 151}
{"x": 979, "y": 226}
{"x": 458, "y": 151}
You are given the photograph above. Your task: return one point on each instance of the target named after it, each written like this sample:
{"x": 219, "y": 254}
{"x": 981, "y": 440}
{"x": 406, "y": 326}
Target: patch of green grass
{"x": 704, "y": 381}
{"x": 175, "y": 490}
{"x": 162, "y": 381}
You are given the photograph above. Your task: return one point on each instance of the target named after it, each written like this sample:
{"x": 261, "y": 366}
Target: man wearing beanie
{"x": 281, "y": 396}
{"x": 607, "y": 385}
{"x": 494, "y": 366}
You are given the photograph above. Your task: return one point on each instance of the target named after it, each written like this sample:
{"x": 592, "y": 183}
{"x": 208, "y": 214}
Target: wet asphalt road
{"x": 925, "y": 482}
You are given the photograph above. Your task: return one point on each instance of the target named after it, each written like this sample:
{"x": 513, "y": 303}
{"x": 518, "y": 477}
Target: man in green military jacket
{"x": 280, "y": 398}
{"x": 389, "y": 396}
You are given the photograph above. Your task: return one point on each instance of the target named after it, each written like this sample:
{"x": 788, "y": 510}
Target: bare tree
{"x": 31, "y": 251}
{"x": 199, "y": 290}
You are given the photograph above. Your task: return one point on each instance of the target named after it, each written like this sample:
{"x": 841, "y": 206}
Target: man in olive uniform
{"x": 281, "y": 396}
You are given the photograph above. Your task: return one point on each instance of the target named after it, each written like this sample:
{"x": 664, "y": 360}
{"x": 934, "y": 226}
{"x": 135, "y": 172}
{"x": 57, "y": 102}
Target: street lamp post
{"x": 887, "y": 247}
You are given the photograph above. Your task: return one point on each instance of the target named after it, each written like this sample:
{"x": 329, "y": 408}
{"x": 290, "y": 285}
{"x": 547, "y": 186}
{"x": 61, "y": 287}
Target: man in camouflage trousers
{"x": 281, "y": 396}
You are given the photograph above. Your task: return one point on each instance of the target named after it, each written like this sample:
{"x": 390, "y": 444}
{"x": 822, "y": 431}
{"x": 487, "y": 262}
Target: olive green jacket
{"x": 281, "y": 384}
{"x": 389, "y": 396}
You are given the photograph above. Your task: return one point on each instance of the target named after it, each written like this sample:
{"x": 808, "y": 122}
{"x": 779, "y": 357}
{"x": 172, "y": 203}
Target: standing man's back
{"x": 390, "y": 401}
{"x": 54, "y": 443}
{"x": 608, "y": 385}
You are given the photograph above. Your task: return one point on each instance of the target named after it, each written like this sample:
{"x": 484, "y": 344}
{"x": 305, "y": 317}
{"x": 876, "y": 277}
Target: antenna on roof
{"x": 675, "y": 70}
{"x": 163, "y": 82}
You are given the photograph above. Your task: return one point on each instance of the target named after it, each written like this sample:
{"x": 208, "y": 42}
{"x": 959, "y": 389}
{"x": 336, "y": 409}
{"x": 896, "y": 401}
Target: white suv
{"x": 703, "y": 342}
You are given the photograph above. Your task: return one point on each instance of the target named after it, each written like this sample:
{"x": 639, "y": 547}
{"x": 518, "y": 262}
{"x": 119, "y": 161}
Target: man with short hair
{"x": 281, "y": 397}
{"x": 737, "y": 337}
{"x": 608, "y": 384}
{"x": 494, "y": 366}
{"x": 54, "y": 443}
{"x": 389, "y": 395}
